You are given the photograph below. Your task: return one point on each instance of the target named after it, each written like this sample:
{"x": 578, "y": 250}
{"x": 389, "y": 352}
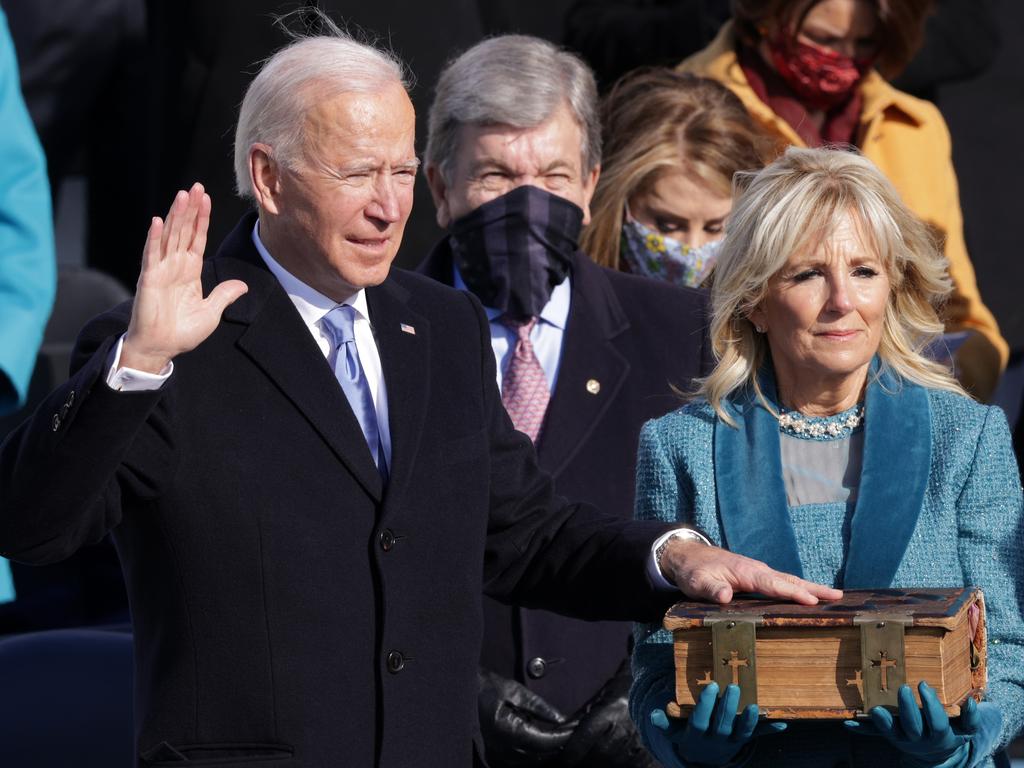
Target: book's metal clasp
{"x": 734, "y": 653}
{"x": 883, "y": 660}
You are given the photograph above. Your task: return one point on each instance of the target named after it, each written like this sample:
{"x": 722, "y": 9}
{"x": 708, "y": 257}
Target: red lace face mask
{"x": 821, "y": 77}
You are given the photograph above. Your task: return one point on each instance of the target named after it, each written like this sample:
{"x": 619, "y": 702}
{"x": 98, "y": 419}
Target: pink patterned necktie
{"x": 524, "y": 388}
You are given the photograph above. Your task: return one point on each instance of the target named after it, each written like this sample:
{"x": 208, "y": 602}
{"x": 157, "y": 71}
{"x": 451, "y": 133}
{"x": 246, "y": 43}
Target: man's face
{"x": 491, "y": 161}
{"x": 335, "y": 221}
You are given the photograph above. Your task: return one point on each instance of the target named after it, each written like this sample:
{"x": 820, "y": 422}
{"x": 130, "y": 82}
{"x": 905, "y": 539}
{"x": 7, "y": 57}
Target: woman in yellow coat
{"x": 810, "y": 73}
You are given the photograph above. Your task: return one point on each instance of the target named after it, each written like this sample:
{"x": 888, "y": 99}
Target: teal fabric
{"x": 956, "y": 522}
{"x": 751, "y": 491}
{"x": 893, "y": 479}
{"x": 6, "y": 582}
{"x": 28, "y": 277}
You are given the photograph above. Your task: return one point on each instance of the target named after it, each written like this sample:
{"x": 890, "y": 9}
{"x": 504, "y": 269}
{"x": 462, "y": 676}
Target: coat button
{"x": 55, "y": 422}
{"x": 396, "y": 662}
{"x": 71, "y": 399}
{"x": 387, "y": 539}
{"x": 536, "y": 667}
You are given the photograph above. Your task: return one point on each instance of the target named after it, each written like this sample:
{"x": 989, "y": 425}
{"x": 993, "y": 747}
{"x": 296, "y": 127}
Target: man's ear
{"x": 439, "y": 191}
{"x": 589, "y": 185}
{"x": 265, "y": 176}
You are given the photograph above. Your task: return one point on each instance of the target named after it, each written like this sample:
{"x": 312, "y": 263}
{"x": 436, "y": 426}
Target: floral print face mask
{"x": 649, "y": 253}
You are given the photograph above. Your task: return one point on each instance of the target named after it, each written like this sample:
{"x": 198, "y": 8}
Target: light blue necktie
{"x": 339, "y": 323}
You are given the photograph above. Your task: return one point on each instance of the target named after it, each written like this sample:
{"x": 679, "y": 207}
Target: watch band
{"x": 690, "y": 534}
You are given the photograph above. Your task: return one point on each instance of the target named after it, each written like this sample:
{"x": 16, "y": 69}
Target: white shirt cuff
{"x": 130, "y": 379}
{"x": 654, "y": 573}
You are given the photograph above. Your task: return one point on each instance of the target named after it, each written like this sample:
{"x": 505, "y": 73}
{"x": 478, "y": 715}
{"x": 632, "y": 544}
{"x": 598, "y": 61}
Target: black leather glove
{"x": 605, "y": 736}
{"x": 518, "y": 727}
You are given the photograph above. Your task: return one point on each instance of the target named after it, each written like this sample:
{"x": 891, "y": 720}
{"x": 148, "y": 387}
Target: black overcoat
{"x": 289, "y": 610}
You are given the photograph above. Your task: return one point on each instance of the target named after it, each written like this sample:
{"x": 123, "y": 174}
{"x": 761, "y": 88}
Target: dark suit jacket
{"x": 287, "y": 606}
{"x": 636, "y": 338}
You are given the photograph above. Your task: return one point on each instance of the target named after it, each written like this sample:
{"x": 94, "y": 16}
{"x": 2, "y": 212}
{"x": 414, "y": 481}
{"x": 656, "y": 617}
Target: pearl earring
{"x": 759, "y": 329}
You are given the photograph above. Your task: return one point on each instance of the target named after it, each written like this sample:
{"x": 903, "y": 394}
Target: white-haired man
{"x": 317, "y": 479}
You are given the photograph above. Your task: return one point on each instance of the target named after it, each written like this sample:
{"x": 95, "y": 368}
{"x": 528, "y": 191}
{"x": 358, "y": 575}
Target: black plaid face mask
{"x": 513, "y": 250}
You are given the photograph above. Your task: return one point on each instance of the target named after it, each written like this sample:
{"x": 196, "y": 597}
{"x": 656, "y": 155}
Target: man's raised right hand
{"x": 170, "y": 315}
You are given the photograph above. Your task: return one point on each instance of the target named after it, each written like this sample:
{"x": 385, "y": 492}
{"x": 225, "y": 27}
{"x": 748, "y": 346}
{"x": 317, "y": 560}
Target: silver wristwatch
{"x": 690, "y": 534}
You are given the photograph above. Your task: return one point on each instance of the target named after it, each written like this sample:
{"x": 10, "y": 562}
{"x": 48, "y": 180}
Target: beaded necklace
{"x": 833, "y": 427}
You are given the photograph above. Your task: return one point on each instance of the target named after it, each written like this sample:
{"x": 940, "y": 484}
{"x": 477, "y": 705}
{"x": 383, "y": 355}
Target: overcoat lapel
{"x": 748, "y": 481}
{"x": 893, "y": 479}
{"x": 278, "y": 342}
{"x": 403, "y": 338}
{"x": 590, "y": 361}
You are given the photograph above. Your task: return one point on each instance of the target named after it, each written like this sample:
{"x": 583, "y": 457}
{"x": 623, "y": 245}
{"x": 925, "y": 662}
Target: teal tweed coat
{"x": 939, "y": 505}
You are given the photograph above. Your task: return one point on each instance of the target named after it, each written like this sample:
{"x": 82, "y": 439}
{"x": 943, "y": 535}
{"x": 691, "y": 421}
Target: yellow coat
{"x": 909, "y": 142}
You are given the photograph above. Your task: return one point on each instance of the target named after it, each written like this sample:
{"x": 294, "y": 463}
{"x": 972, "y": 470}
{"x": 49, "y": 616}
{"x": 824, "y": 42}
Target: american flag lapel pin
{"x": 408, "y": 329}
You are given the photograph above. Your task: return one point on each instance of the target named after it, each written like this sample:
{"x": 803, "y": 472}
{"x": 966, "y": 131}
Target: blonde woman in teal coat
{"x": 28, "y": 278}
{"x": 826, "y": 444}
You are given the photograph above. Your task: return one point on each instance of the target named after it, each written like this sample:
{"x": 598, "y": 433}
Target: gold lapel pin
{"x": 593, "y": 386}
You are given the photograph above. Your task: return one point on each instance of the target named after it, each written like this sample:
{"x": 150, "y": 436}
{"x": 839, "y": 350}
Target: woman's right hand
{"x": 713, "y": 735}
{"x": 170, "y": 315}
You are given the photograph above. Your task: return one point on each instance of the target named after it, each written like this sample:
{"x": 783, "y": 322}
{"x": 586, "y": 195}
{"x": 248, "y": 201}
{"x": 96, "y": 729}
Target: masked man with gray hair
{"x": 305, "y": 463}
{"x": 584, "y": 356}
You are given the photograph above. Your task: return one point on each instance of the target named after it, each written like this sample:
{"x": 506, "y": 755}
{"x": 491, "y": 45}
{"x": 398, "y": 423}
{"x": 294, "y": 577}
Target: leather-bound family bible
{"x": 831, "y": 660}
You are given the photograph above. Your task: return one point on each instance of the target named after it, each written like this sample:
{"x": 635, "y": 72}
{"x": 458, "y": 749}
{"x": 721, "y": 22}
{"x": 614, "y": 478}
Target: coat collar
{"x": 879, "y": 97}
{"x": 278, "y": 342}
{"x": 439, "y": 264}
{"x": 894, "y": 476}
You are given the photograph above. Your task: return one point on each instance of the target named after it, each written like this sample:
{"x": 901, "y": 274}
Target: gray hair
{"x": 312, "y": 67}
{"x": 513, "y": 80}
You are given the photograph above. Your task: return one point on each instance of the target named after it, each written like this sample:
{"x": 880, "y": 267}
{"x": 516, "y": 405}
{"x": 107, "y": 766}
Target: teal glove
{"x": 926, "y": 737}
{"x": 713, "y": 735}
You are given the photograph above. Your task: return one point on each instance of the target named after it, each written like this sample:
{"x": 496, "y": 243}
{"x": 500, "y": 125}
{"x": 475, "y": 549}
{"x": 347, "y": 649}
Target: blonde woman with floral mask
{"x": 672, "y": 144}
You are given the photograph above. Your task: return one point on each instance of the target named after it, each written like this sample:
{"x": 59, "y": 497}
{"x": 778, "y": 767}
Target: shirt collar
{"x": 311, "y": 304}
{"x": 555, "y": 312}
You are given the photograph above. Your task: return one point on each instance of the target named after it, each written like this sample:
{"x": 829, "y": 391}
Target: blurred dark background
{"x": 135, "y": 99}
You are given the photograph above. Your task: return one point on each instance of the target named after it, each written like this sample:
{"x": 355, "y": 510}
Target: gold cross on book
{"x": 885, "y": 663}
{"x": 735, "y": 662}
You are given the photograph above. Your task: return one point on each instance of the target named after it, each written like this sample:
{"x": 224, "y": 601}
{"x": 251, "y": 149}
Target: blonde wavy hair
{"x": 794, "y": 204}
{"x": 658, "y": 120}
